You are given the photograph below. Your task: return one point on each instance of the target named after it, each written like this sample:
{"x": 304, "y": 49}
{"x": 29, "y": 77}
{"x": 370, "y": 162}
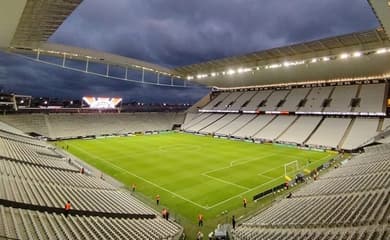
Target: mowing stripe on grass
{"x": 139, "y": 177}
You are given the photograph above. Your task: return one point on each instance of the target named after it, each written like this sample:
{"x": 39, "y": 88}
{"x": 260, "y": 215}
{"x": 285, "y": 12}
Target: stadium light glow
{"x": 190, "y": 77}
{"x": 314, "y": 60}
{"x": 381, "y": 51}
{"x": 357, "y": 54}
{"x": 344, "y": 56}
{"x": 213, "y": 74}
{"x": 231, "y": 72}
{"x": 325, "y": 59}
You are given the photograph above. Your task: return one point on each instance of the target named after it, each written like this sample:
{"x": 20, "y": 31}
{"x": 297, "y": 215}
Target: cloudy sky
{"x": 175, "y": 33}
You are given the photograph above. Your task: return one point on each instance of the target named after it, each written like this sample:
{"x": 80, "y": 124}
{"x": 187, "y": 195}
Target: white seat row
{"x": 54, "y": 176}
{"x": 97, "y": 200}
{"x": 26, "y": 224}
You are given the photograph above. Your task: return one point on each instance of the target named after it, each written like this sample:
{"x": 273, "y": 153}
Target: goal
{"x": 291, "y": 168}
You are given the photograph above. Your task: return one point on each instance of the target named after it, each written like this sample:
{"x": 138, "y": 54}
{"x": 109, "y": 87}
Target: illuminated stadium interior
{"x": 291, "y": 142}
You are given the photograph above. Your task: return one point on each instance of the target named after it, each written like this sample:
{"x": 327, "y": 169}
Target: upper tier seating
{"x": 273, "y": 100}
{"x": 241, "y": 100}
{"x": 341, "y": 99}
{"x": 257, "y": 100}
{"x": 228, "y": 101}
{"x": 315, "y": 99}
{"x": 371, "y": 98}
{"x": 293, "y": 99}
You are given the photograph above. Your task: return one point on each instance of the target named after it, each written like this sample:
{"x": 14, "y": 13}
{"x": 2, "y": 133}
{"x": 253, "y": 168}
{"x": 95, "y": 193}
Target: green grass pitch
{"x": 193, "y": 174}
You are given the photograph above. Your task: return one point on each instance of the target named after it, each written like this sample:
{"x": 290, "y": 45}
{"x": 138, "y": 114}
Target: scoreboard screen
{"x": 102, "y": 102}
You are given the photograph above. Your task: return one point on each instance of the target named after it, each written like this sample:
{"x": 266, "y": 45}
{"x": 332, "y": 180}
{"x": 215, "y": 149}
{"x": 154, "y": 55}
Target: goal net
{"x": 291, "y": 168}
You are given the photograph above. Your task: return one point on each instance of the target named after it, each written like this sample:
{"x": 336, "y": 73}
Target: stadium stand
{"x": 330, "y": 132}
{"x": 257, "y": 100}
{"x": 361, "y": 130}
{"x": 293, "y": 99}
{"x": 325, "y": 131}
{"x": 242, "y": 100}
{"x": 228, "y": 101}
{"x": 228, "y": 118}
{"x": 236, "y": 124}
{"x": 36, "y": 181}
{"x": 206, "y": 122}
{"x": 274, "y": 100}
{"x": 350, "y": 202}
{"x": 216, "y": 101}
{"x": 341, "y": 99}
{"x": 255, "y": 125}
{"x": 75, "y": 125}
{"x": 301, "y": 130}
{"x": 315, "y": 99}
{"x": 371, "y": 98}
{"x": 275, "y": 128}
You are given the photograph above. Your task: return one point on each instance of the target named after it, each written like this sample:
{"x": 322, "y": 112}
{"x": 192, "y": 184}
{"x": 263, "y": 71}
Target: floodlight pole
{"x": 107, "y": 69}
{"x": 64, "y": 60}
{"x": 86, "y": 65}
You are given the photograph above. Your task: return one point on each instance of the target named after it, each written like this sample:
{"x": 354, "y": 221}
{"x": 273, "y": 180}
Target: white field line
{"x": 297, "y": 158}
{"x": 243, "y": 162}
{"x": 205, "y": 174}
{"x": 139, "y": 177}
{"x": 226, "y": 182}
{"x": 240, "y": 194}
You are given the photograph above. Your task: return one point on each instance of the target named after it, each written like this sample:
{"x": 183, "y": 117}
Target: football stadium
{"x": 289, "y": 143}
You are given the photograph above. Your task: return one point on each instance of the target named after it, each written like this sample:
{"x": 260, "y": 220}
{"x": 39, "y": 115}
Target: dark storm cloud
{"x": 175, "y": 33}
{"x": 37, "y": 79}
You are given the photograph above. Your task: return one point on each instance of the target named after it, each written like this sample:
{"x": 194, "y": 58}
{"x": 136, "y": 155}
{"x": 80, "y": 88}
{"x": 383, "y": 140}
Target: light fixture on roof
{"x": 231, "y": 72}
{"x": 314, "y": 60}
{"x": 344, "y": 56}
{"x": 325, "y": 59}
{"x": 357, "y": 54}
{"x": 213, "y": 74}
{"x": 381, "y": 51}
{"x": 190, "y": 77}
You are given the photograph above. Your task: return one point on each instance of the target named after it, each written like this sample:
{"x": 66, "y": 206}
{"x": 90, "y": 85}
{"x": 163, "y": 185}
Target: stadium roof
{"x": 26, "y": 26}
{"x": 327, "y": 46}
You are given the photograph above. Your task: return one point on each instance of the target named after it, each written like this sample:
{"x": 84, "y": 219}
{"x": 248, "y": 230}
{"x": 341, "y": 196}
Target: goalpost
{"x": 291, "y": 168}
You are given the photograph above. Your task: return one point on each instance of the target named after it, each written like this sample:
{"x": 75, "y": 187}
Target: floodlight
{"x": 344, "y": 56}
{"x": 380, "y": 51}
{"x": 231, "y": 71}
